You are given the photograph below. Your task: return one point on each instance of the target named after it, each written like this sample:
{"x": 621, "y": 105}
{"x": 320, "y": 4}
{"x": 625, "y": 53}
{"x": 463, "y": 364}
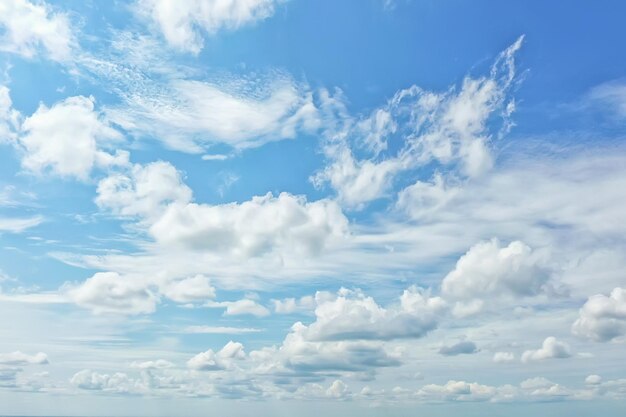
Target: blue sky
{"x": 285, "y": 206}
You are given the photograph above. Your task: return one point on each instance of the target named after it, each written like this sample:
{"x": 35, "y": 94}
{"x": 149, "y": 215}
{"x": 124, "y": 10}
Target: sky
{"x": 279, "y": 207}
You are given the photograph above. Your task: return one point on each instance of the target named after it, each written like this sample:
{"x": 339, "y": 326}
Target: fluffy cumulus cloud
{"x": 253, "y": 227}
{"x": 110, "y": 292}
{"x": 490, "y": 269}
{"x": 550, "y": 349}
{"x": 145, "y": 190}
{"x": 349, "y": 335}
{"x": 183, "y": 24}
{"x": 337, "y": 390}
{"x": 353, "y": 316}
{"x": 68, "y": 139}
{"x": 117, "y": 383}
{"x": 156, "y": 195}
{"x": 299, "y": 356}
{"x": 245, "y": 307}
{"x": 292, "y": 305}
{"x": 448, "y": 129}
{"x": 193, "y": 289}
{"x": 603, "y": 318}
{"x": 29, "y": 27}
{"x": 221, "y": 360}
{"x": 458, "y": 391}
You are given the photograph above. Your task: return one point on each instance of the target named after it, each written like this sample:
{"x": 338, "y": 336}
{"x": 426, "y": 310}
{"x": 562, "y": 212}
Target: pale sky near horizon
{"x": 279, "y": 207}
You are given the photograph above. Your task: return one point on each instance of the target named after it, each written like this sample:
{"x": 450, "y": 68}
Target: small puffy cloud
{"x": 489, "y": 269}
{"x": 215, "y": 361}
{"x": 18, "y": 358}
{"x": 338, "y": 389}
{"x": 143, "y": 191}
{"x": 593, "y": 380}
{"x": 465, "y": 347}
{"x": 457, "y": 391}
{"x": 352, "y": 315}
{"x": 194, "y": 289}
{"x": 550, "y": 349}
{"x": 26, "y": 28}
{"x": 67, "y": 138}
{"x": 183, "y": 25}
{"x": 110, "y": 292}
{"x": 119, "y": 383}
{"x": 423, "y": 199}
{"x": 503, "y": 357}
{"x": 602, "y": 318}
{"x": 540, "y": 387}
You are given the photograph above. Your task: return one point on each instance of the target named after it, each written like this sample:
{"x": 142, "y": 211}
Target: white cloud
{"x": 18, "y": 225}
{"x": 240, "y": 113}
{"x": 593, "y": 380}
{"x": 144, "y": 191}
{"x": 215, "y": 361}
{"x": 301, "y": 356}
{"x": 287, "y": 224}
{"x": 215, "y": 157}
{"x": 193, "y": 289}
{"x": 422, "y": 200}
{"x": 18, "y": 358}
{"x": 110, "y": 292}
{"x": 503, "y": 357}
{"x": 457, "y": 391}
{"x": 254, "y": 227}
{"x": 158, "y": 364}
{"x": 449, "y": 129}
{"x": 550, "y": 349}
{"x": 182, "y": 25}
{"x": 9, "y": 117}
{"x": 119, "y": 382}
{"x": 352, "y": 315}
{"x": 26, "y": 28}
{"x": 244, "y": 307}
{"x": 603, "y": 318}
{"x": 488, "y": 269}
{"x": 337, "y": 390}
{"x": 67, "y": 139}
{"x": 293, "y": 305}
